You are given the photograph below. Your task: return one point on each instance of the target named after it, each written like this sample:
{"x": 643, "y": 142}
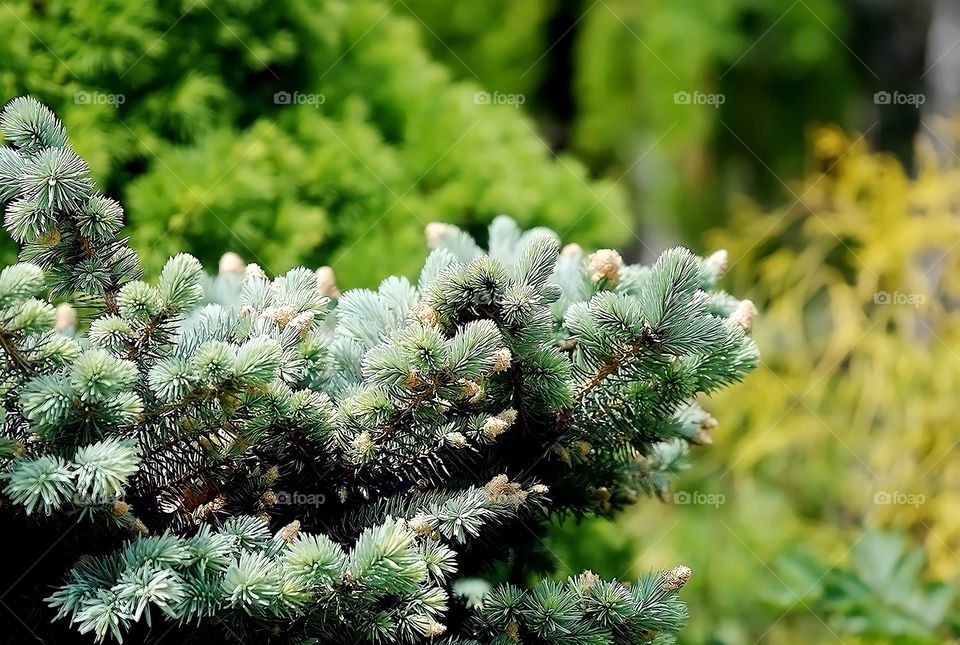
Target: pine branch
{"x": 424, "y": 423}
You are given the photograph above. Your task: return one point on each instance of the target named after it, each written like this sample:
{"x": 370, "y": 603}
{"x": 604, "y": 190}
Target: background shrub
{"x": 290, "y": 131}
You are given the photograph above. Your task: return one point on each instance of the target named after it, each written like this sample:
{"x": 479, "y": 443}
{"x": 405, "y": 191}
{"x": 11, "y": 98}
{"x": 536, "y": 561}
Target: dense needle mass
{"x": 272, "y": 460}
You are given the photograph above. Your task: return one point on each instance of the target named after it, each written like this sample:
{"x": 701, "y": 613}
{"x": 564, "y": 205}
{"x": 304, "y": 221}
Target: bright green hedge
{"x": 174, "y": 106}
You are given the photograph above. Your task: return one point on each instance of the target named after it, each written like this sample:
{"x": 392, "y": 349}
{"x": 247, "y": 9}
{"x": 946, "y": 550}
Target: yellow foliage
{"x": 855, "y": 411}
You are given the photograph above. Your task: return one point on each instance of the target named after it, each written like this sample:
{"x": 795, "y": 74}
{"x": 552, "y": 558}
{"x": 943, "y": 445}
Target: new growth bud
{"x": 503, "y": 360}
{"x": 675, "y": 578}
{"x": 436, "y": 232}
{"x": 493, "y": 427}
{"x": 327, "y": 283}
{"x": 290, "y": 532}
{"x": 744, "y": 314}
{"x": 605, "y": 265}
{"x": 717, "y": 262}
{"x": 253, "y": 271}
{"x": 231, "y": 263}
{"x": 66, "y": 317}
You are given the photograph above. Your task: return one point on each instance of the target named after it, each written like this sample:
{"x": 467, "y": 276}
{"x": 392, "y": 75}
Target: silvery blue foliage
{"x": 270, "y": 459}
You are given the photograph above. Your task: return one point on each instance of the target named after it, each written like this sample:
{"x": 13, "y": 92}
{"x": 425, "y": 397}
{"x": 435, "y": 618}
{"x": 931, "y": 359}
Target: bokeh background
{"x": 815, "y": 140}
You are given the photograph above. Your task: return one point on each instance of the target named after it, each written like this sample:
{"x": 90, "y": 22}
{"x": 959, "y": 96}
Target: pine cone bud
{"x": 413, "y": 380}
{"x": 303, "y": 322}
{"x": 280, "y": 315}
{"x": 434, "y": 628}
{"x": 420, "y": 526}
{"x": 269, "y": 498}
{"x": 675, "y": 578}
{"x": 495, "y": 487}
{"x": 231, "y": 263}
{"x": 493, "y": 427}
{"x": 425, "y": 314}
{"x": 119, "y": 509}
{"x": 717, "y": 262}
{"x": 290, "y": 532}
{"x": 572, "y": 251}
{"x": 66, "y": 317}
{"x": 501, "y": 489}
{"x": 702, "y": 438}
{"x": 603, "y": 496}
{"x": 745, "y": 313}
{"x": 436, "y": 232}
{"x": 253, "y": 271}
{"x": 272, "y": 475}
{"x": 470, "y": 388}
{"x": 586, "y": 581}
{"x": 362, "y": 442}
{"x": 605, "y": 265}
{"x": 327, "y": 283}
{"x": 456, "y": 439}
{"x": 49, "y": 238}
{"x": 503, "y": 360}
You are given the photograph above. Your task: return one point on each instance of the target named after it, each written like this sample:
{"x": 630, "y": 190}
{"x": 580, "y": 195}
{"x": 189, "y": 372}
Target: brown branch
{"x": 14, "y": 355}
{"x": 609, "y": 368}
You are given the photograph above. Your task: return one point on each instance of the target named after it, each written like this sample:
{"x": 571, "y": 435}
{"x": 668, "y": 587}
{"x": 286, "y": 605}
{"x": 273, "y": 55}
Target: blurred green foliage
{"x": 498, "y": 43}
{"x": 849, "y": 425}
{"x": 630, "y": 81}
{"x": 289, "y": 131}
{"x": 880, "y": 594}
